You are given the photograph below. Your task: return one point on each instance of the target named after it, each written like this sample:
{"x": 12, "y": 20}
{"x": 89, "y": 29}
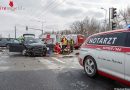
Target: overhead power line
{"x": 48, "y": 6}
{"x": 53, "y": 7}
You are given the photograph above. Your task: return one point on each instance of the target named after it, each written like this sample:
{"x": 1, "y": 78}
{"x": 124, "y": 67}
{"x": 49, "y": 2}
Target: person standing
{"x": 64, "y": 43}
{"x": 71, "y": 44}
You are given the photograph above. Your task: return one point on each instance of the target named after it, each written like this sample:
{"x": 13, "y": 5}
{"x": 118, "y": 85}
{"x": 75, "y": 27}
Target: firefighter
{"x": 57, "y": 48}
{"x": 71, "y": 42}
{"x": 64, "y": 43}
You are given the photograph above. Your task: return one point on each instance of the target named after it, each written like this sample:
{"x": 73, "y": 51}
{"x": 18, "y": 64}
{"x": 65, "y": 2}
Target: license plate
{"x": 47, "y": 48}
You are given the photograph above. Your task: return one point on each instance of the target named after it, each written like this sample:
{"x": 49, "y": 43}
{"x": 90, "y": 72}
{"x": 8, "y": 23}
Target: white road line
{"x": 4, "y": 68}
{"x": 58, "y": 60}
{"x": 51, "y": 65}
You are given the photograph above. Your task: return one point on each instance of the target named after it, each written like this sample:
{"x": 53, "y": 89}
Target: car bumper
{"x": 36, "y": 51}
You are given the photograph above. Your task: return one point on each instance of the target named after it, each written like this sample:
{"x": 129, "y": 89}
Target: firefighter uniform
{"x": 64, "y": 43}
{"x": 71, "y": 44}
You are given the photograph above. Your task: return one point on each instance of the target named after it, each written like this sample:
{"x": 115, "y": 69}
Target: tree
{"x": 124, "y": 16}
{"x": 76, "y": 27}
{"x": 89, "y": 26}
{"x": 86, "y": 26}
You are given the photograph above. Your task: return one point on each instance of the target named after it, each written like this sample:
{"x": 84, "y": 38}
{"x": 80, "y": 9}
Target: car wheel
{"x": 44, "y": 53}
{"x": 90, "y": 67}
{"x": 32, "y": 54}
{"x": 24, "y": 52}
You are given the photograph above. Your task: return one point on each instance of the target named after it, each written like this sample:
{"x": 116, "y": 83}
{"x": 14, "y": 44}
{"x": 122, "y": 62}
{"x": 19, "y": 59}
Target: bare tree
{"x": 124, "y": 15}
{"x": 87, "y": 26}
{"x": 76, "y": 27}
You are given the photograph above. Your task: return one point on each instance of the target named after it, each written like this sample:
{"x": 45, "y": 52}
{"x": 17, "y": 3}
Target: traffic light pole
{"x": 114, "y": 15}
{"x": 42, "y": 28}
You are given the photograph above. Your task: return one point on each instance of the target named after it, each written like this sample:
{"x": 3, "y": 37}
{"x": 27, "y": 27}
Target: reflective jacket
{"x": 64, "y": 41}
{"x": 71, "y": 42}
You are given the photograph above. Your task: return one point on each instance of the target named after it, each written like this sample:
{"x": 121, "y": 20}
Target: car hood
{"x": 36, "y": 44}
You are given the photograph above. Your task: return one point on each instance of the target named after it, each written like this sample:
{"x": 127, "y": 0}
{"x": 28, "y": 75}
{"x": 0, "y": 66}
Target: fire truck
{"x": 79, "y": 40}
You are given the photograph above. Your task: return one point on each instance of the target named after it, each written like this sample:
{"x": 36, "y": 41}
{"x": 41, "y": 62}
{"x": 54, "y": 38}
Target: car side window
{"x": 8, "y": 39}
{"x": 128, "y": 40}
{"x": 121, "y": 39}
{"x": 16, "y": 41}
{"x": 114, "y": 39}
{"x": 93, "y": 40}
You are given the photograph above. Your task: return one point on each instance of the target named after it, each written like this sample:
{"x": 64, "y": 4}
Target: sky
{"x": 54, "y": 14}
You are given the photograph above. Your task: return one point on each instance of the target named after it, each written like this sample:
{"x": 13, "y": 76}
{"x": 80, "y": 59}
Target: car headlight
{"x": 29, "y": 47}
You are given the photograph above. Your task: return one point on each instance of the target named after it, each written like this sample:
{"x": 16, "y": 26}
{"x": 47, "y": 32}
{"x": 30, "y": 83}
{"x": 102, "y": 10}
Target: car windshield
{"x": 30, "y": 41}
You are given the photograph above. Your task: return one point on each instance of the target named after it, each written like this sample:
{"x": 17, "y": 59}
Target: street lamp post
{"x": 105, "y": 16}
{"x": 15, "y": 32}
{"x": 42, "y": 28}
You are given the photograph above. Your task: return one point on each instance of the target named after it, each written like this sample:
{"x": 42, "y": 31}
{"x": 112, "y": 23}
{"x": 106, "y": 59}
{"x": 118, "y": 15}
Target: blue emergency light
{"x": 128, "y": 26}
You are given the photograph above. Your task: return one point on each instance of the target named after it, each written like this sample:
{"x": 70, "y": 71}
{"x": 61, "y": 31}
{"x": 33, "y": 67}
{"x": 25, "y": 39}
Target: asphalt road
{"x": 48, "y": 73}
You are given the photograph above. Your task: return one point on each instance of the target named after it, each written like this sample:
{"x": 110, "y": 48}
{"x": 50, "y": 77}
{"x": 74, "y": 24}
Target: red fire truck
{"x": 78, "y": 39}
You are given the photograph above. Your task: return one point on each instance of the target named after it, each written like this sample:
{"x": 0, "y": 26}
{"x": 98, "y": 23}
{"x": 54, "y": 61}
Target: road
{"x": 18, "y": 72}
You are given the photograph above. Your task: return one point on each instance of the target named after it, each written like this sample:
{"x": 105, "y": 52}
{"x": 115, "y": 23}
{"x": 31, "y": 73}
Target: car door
{"x": 16, "y": 46}
{"x": 127, "y": 58}
{"x": 112, "y": 55}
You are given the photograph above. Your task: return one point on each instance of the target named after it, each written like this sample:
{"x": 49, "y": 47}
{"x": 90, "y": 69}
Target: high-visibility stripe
{"x": 108, "y": 48}
{"x": 114, "y": 78}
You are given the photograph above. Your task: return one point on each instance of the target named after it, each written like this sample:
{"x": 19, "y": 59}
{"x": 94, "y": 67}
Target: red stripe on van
{"x": 108, "y": 48}
{"x": 114, "y": 78}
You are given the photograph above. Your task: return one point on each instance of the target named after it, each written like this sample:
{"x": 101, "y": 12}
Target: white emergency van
{"x": 108, "y": 54}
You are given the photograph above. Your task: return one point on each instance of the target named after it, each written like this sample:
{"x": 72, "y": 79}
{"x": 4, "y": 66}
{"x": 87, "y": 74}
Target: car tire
{"x": 90, "y": 67}
{"x": 44, "y": 54}
{"x": 31, "y": 54}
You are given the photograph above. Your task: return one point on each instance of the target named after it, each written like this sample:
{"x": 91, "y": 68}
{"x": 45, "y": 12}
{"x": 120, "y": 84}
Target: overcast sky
{"x": 55, "y": 14}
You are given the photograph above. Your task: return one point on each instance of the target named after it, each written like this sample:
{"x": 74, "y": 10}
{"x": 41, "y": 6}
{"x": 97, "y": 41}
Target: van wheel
{"x": 90, "y": 67}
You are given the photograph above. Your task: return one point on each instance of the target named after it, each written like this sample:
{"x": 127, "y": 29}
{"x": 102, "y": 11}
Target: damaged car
{"x": 29, "y": 47}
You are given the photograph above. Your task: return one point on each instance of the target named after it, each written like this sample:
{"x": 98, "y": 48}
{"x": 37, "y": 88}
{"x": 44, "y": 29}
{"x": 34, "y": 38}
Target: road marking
{"x": 51, "y": 65}
{"x": 4, "y": 68}
{"x": 58, "y": 60}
